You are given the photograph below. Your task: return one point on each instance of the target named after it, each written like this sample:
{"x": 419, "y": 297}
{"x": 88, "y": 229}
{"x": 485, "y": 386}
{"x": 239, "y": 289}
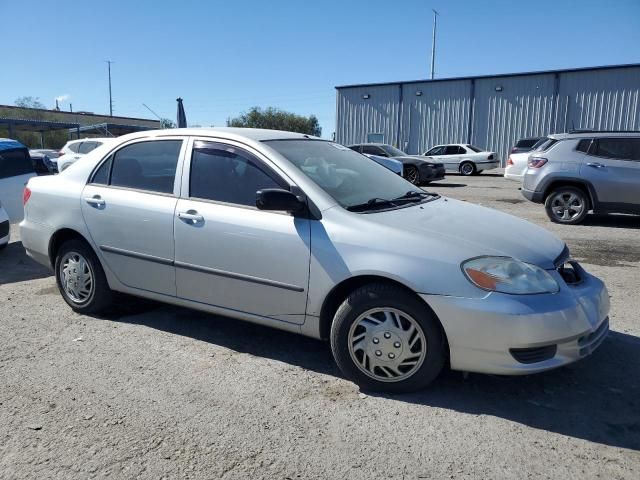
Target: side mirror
{"x": 277, "y": 199}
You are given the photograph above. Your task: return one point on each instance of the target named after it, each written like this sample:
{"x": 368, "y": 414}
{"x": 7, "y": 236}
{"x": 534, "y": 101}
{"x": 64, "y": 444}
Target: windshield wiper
{"x": 415, "y": 196}
{"x": 371, "y": 204}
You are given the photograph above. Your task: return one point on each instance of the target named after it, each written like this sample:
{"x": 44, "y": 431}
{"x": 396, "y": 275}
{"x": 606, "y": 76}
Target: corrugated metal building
{"x": 491, "y": 112}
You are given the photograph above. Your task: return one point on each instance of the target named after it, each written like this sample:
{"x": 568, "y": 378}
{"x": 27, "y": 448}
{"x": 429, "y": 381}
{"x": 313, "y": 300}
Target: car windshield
{"x": 544, "y": 144}
{"x": 474, "y": 148}
{"x": 539, "y": 143}
{"x": 354, "y": 181}
{"x": 393, "y": 151}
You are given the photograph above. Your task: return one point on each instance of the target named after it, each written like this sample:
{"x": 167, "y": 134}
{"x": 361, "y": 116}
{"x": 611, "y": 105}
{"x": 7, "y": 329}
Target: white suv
{"x": 73, "y": 150}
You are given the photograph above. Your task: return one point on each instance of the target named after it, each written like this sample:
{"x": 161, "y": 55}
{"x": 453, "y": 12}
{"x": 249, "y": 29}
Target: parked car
{"x": 42, "y": 164}
{"x": 51, "y": 160}
{"x": 4, "y": 228}
{"x": 517, "y": 162}
{"x": 417, "y": 169}
{"x": 15, "y": 170}
{"x": 464, "y": 158}
{"x": 305, "y": 235}
{"x": 394, "y": 165}
{"x": 73, "y": 150}
{"x": 574, "y": 173}
{"x": 526, "y": 144}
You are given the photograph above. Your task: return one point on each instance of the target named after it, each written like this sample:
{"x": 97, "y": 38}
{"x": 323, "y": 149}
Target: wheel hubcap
{"x": 566, "y": 205}
{"x": 412, "y": 175}
{"x": 467, "y": 169}
{"x": 76, "y": 277}
{"x": 387, "y": 344}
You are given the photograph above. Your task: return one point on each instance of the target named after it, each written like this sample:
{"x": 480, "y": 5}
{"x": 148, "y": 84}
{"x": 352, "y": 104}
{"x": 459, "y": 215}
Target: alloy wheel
{"x": 387, "y": 344}
{"x": 567, "y": 206}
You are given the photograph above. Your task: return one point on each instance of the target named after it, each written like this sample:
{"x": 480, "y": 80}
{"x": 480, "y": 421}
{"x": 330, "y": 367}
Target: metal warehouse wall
{"x": 491, "y": 112}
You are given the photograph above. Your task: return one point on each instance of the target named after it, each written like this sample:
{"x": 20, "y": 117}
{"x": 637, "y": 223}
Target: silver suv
{"x": 574, "y": 173}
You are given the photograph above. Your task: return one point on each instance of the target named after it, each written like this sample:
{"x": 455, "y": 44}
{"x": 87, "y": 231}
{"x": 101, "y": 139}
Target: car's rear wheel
{"x": 467, "y": 169}
{"x": 411, "y": 173}
{"x": 81, "y": 279}
{"x": 567, "y": 205}
{"x": 385, "y": 339}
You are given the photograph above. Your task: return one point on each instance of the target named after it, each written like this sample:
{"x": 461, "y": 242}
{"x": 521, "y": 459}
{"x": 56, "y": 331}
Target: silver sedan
{"x": 305, "y": 235}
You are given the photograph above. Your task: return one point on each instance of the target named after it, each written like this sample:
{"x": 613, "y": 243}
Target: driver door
{"x": 228, "y": 253}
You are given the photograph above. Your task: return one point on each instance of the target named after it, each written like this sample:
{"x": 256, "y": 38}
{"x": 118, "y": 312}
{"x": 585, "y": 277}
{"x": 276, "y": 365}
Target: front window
{"x": 393, "y": 151}
{"x": 350, "y": 178}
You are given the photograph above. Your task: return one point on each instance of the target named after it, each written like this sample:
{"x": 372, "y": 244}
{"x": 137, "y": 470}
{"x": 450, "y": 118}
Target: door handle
{"x": 190, "y": 216}
{"x": 96, "y": 201}
{"x": 595, "y": 165}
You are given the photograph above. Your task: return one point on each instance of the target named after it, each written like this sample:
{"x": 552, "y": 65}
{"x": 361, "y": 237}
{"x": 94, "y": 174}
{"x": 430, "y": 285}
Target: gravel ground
{"x": 154, "y": 391}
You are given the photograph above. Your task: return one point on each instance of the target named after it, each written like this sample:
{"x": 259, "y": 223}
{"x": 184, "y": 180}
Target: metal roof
{"x": 113, "y": 129}
{"x": 499, "y": 75}
{"x": 37, "y": 125}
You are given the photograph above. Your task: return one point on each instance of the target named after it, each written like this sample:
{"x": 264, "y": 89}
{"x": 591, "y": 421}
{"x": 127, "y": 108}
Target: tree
{"x": 274, "y": 119}
{"x": 167, "y": 123}
{"x": 29, "y": 102}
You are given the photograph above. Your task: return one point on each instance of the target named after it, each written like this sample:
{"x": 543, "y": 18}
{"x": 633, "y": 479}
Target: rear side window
{"x": 15, "y": 162}
{"x": 620, "y": 148}
{"x": 87, "y": 147}
{"x": 74, "y": 147}
{"x": 583, "y": 145}
{"x": 227, "y": 174}
{"x": 101, "y": 177}
{"x": 149, "y": 166}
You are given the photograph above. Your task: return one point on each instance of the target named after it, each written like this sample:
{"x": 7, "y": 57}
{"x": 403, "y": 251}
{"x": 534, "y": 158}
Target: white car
{"x": 15, "y": 171}
{"x": 517, "y": 163}
{"x": 4, "y": 228}
{"x": 74, "y": 150}
{"x": 463, "y": 158}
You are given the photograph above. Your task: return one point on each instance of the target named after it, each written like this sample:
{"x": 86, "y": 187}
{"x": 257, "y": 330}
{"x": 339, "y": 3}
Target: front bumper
{"x": 429, "y": 173}
{"x": 490, "y": 334}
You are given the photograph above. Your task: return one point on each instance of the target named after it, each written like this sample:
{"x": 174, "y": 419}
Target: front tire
{"x": 385, "y": 339}
{"x": 567, "y": 205}
{"x": 81, "y": 279}
{"x": 412, "y": 175}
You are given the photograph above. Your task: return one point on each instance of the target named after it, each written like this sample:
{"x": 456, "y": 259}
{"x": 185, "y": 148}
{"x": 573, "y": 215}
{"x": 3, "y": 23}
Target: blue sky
{"x": 224, "y": 57}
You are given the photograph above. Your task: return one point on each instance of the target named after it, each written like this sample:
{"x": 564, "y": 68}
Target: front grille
{"x": 590, "y": 342}
{"x": 4, "y": 229}
{"x": 534, "y": 355}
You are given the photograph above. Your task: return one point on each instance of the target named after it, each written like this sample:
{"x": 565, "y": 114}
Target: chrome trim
{"x": 238, "y": 276}
{"x": 140, "y": 256}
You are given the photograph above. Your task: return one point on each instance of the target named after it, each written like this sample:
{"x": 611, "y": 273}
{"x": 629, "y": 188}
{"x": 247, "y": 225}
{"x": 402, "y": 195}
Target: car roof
{"x": 10, "y": 144}
{"x": 231, "y": 133}
{"x": 592, "y": 134}
{"x": 373, "y": 144}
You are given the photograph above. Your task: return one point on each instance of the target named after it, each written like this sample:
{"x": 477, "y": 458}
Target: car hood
{"x": 417, "y": 159}
{"x": 459, "y": 230}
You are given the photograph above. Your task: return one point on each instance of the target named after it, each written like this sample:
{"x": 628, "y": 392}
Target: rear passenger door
{"x": 451, "y": 157}
{"x": 228, "y": 253}
{"x": 128, "y": 207}
{"x": 612, "y": 166}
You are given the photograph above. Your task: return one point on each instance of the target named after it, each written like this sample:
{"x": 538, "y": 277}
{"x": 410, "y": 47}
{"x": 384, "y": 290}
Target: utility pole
{"x": 433, "y": 43}
{"x": 109, "y": 62}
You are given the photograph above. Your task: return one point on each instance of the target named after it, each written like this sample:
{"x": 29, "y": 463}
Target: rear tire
{"x": 467, "y": 169}
{"x": 385, "y": 339}
{"x": 81, "y": 279}
{"x": 567, "y": 205}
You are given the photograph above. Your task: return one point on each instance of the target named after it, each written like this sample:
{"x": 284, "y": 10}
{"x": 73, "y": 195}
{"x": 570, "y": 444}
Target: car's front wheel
{"x": 411, "y": 173}
{"x": 567, "y": 205}
{"x": 385, "y": 339}
{"x": 81, "y": 279}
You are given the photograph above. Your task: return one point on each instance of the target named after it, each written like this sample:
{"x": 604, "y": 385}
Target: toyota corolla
{"x": 305, "y": 235}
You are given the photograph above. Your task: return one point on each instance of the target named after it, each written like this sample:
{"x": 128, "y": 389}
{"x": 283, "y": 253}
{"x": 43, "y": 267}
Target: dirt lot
{"x": 154, "y": 391}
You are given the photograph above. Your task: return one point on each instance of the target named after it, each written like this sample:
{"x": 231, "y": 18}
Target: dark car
{"x": 42, "y": 163}
{"x": 416, "y": 168}
{"x": 526, "y": 144}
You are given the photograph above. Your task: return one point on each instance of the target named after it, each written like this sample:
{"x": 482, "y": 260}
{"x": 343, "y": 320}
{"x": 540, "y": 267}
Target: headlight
{"x": 507, "y": 275}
